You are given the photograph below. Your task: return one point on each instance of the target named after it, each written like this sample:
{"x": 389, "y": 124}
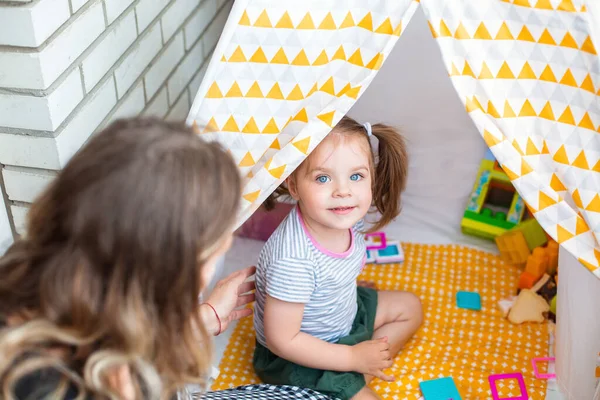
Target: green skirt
{"x": 342, "y": 385}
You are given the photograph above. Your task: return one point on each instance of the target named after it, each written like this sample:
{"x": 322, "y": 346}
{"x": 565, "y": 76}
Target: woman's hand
{"x": 227, "y": 297}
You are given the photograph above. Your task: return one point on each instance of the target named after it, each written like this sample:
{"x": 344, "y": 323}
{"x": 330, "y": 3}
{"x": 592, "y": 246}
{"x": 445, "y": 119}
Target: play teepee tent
{"x": 527, "y": 72}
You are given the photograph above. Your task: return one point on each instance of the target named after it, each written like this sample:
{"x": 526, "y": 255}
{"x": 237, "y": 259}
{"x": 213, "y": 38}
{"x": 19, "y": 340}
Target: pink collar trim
{"x": 319, "y": 246}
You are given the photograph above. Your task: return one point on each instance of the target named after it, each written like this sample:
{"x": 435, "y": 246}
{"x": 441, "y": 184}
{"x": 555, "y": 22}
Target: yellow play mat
{"x": 466, "y": 345}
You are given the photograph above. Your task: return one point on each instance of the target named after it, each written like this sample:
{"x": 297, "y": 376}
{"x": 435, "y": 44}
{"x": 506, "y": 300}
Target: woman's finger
{"x": 246, "y": 287}
{"x": 245, "y": 299}
{"x": 238, "y": 314}
{"x": 244, "y": 274}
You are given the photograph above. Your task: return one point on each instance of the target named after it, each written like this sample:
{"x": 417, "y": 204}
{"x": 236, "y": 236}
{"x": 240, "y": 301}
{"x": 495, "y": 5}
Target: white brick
{"x": 40, "y": 70}
{"x": 6, "y": 237}
{"x": 77, "y": 4}
{"x": 147, "y": 10}
{"x": 25, "y": 184}
{"x": 131, "y": 105}
{"x": 159, "y": 106}
{"x": 33, "y": 22}
{"x": 175, "y": 15}
{"x": 114, "y": 8}
{"x": 162, "y": 67}
{"x": 89, "y": 117}
{"x": 180, "y": 110}
{"x": 42, "y": 113}
{"x": 21, "y": 150}
{"x": 109, "y": 50}
{"x": 213, "y": 33}
{"x": 185, "y": 71}
{"x": 197, "y": 80}
{"x": 19, "y": 214}
{"x": 69, "y": 45}
{"x": 198, "y": 23}
{"x": 138, "y": 59}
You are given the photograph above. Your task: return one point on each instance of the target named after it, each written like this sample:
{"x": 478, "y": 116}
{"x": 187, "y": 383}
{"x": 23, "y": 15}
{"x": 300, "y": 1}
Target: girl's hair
{"x": 389, "y": 169}
{"x": 108, "y": 274}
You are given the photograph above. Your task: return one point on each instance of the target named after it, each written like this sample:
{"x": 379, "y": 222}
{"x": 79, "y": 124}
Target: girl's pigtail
{"x": 391, "y": 173}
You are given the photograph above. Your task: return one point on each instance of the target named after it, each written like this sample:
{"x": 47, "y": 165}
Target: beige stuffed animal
{"x": 529, "y": 307}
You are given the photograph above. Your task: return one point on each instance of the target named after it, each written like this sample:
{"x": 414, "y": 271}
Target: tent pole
{"x": 577, "y": 329}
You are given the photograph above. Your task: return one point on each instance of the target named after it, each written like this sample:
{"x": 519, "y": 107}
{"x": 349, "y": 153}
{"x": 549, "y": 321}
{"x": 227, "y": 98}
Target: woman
{"x": 100, "y": 298}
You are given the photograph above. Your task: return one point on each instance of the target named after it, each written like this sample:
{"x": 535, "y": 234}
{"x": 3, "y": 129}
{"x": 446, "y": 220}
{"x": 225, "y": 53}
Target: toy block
{"x": 468, "y": 300}
{"x": 494, "y": 205}
{"x": 552, "y": 252}
{"x": 518, "y": 376}
{"x": 376, "y": 240}
{"x": 370, "y": 257}
{"x": 533, "y": 232}
{"x": 439, "y": 389}
{"x": 392, "y": 253}
{"x": 536, "y": 371}
{"x": 513, "y": 247}
{"x": 526, "y": 280}
{"x": 537, "y": 262}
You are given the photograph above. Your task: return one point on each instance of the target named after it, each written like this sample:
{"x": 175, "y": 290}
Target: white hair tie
{"x": 368, "y": 129}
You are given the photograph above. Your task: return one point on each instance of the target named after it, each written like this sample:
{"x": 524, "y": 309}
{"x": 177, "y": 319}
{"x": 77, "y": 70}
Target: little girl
{"x": 314, "y": 327}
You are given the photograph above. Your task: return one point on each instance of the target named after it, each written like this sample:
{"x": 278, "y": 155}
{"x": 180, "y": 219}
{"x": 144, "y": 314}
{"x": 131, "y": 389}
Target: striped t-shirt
{"x": 293, "y": 267}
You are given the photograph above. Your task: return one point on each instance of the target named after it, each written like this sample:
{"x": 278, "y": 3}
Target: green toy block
{"x": 533, "y": 232}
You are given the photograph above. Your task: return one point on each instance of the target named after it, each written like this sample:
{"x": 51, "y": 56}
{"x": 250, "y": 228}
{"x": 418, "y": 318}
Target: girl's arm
{"x": 282, "y": 321}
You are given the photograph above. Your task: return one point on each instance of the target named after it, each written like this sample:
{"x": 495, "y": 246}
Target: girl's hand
{"x": 372, "y": 357}
{"x": 227, "y": 297}
{"x": 367, "y": 284}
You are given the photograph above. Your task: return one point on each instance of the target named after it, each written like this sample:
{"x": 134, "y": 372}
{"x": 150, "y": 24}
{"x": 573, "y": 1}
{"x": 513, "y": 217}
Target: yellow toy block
{"x": 552, "y": 251}
{"x": 513, "y": 247}
{"x": 537, "y": 263}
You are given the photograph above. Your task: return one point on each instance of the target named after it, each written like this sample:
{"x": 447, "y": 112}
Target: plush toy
{"x": 529, "y": 307}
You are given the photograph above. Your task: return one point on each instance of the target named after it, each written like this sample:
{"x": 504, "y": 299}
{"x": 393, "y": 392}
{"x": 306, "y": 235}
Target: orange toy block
{"x": 537, "y": 262}
{"x": 552, "y": 252}
{"x": 526, "y": 280}
{"x": 513, "y": 247}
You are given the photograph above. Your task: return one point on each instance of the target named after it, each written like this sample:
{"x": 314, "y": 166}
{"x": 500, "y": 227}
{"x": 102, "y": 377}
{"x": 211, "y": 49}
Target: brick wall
{"x": 70, "y": 67}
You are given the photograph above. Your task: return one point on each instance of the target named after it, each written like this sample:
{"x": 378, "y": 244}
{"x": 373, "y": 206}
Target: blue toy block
{"x": 370, "y": 258}
{"x": 469, "y": 300}
{"x": 440, "y": 389}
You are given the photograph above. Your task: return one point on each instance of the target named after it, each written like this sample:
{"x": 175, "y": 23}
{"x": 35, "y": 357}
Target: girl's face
{"x": 208, "y": 269}
{"x": 334, "y": 186}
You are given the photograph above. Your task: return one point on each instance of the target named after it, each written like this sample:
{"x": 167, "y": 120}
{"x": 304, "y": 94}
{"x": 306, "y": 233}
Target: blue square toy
{"x": 440, "y": 389}
{"x": 469, "y": 300}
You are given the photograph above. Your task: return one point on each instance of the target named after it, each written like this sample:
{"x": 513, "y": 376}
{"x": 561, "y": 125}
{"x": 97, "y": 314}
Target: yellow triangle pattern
{"x": 271, "y": 128}
{"x": 247, "y": 161}
{"x": 302, "y": 145}
{"x": 251, "y": 127}
{"x": 565, "y": 5}
{"x": 327, "y": 118}
{"x": 251, "y": 197}
{"x": 327, "y": 23}
{"x": 484, "y": 69}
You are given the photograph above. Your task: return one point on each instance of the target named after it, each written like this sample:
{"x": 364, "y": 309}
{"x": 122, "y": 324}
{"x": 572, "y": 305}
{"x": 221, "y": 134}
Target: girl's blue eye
{"x": 355, "y": 177}
{"x": 323, "y": 179}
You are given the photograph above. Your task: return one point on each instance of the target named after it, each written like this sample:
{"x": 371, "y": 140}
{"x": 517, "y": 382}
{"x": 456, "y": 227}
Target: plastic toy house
{"x": 494, "y": 205}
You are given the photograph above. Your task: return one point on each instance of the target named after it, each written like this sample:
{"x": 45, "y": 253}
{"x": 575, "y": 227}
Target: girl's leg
{"x": 399, "y": 315}
{"x": 366, "y": 394}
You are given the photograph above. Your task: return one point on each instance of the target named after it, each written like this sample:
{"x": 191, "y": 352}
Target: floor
{"x": 244, "y": 253}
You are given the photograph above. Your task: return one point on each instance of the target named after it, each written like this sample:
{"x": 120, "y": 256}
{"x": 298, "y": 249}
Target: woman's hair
{"x": 108, "y": 273}
{"x": 389, "y": 169}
